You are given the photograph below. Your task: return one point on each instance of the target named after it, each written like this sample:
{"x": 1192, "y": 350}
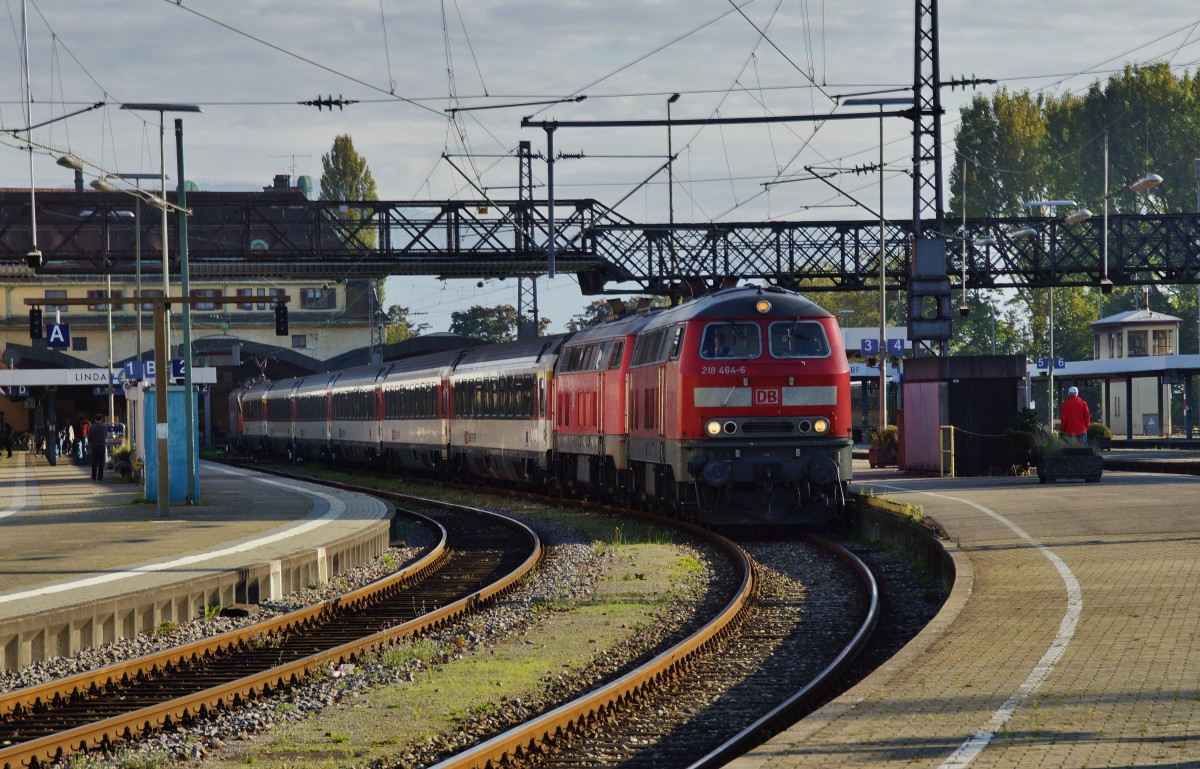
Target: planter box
{"x": 1075, "y": 463}
{"x": 882, "y": 456}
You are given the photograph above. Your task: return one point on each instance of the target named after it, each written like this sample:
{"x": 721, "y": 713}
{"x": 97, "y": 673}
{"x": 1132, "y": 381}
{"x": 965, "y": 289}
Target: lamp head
{"x": 1146, "y": 182}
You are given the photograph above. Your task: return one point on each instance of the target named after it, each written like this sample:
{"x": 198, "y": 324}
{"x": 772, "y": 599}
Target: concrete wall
{"x": 61, "y": 632}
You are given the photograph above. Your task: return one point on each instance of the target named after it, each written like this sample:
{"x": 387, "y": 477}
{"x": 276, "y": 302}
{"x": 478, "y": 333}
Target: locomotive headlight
{"x": 820, "y": 426}
{"x": 763, "y": 306}
{"x": 712, "y": 428}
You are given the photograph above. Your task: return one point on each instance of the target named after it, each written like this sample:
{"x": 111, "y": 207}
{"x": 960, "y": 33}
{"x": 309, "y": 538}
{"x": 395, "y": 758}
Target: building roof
{"x": 1137, "y": 317}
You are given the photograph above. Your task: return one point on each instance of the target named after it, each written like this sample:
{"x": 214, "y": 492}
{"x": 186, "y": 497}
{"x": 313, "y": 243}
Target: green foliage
{"x": 487, "y": 324}
{"x": 211, "y": 611}
{"x": 345, "y": 176}
{"x": 886, "y": 437}
{"x": 1098, "y": 431}
{"x": 398, "y": 326}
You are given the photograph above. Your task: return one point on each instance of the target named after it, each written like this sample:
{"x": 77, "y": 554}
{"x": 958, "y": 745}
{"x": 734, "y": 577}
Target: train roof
{"x": 615, "y": 327}
{"x": 740, "y": 302}
{"x": 529, "y": 349}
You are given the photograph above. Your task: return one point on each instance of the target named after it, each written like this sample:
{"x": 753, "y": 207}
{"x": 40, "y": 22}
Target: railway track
{"x": 480, "y": 555}
{"x": 715, "y": 694}
{"x": 763, "y": 661}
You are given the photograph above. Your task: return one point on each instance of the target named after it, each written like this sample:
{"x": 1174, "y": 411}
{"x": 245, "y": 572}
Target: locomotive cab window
{"x": 799, "y": 339}
{"x": 731, "y": 340}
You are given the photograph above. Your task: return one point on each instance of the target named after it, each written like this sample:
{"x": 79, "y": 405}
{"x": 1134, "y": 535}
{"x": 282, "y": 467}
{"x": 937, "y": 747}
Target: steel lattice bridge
{"x": 245, "y": 235}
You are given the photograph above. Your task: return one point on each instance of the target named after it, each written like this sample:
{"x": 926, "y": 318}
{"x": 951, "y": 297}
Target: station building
{"x": 329, "y": 324}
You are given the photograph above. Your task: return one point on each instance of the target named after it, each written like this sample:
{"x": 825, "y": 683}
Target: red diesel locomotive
{"x": 733, "y": 407}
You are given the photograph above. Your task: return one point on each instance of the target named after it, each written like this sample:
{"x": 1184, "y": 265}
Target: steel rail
{"x": 783, "y": 714}
{"x": 102, "y": 733}
{"x": 93, "y": 680}
{"x": 566, "y": 718}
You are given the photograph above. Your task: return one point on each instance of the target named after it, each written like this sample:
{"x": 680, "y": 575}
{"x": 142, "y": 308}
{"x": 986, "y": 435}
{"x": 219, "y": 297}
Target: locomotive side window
{"x": 677, "y": 342}
{"x": 799, "y": 339}
{"x": 649, "y": 348}
{"x": 731, "y": 340}
{"x": 614, "y": 360}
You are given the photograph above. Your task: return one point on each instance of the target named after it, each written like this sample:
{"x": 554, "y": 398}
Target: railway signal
{"x": 281, "y": 319}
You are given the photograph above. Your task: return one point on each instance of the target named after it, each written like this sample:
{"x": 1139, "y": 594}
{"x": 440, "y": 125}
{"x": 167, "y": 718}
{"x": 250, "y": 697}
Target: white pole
{"x": 883, "y": 419}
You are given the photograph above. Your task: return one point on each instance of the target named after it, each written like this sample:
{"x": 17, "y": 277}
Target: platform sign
{"x": 868, "y": 347}
{"x": 1042, "y": 362}
{"x": 58, "y": 335}
{"x": 1060, "y": 363}
{"x": 136, "y": 370}
{"x": 895, "y": 348}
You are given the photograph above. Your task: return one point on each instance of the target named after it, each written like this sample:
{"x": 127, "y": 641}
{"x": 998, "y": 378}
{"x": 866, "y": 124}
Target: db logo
{"x": 767, "y": 396}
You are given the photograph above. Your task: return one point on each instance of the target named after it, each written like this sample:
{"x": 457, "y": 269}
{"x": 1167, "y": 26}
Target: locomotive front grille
{"x": 768, "y": 427}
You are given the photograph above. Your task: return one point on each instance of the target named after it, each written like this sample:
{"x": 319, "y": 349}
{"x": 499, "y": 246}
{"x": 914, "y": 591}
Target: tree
{"x": 346, "y": 177}
{"x": 399, "y": 326}
{"x": 487, "y": 324}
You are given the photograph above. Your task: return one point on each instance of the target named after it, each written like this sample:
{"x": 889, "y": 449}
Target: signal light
{"x": 35, "y": 323}
{"x": 281, "y": 319}
{"x": 871, "y": 362}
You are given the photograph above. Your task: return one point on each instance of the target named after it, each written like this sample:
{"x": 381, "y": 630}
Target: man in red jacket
{"x": 1075, "y": 416}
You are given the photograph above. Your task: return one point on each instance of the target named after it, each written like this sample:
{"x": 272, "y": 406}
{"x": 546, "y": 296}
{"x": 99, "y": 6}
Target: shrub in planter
{"x": 1099, "y": 436}
{"x": 885, "y": 446}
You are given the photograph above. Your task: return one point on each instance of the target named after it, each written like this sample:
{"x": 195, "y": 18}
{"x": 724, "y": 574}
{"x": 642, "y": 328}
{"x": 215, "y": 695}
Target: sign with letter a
{"x": 58, "y": 335}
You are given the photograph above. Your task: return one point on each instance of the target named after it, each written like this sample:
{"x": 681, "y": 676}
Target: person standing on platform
{"x": 1075, "y": 416}
{"x": 96, "y": 435}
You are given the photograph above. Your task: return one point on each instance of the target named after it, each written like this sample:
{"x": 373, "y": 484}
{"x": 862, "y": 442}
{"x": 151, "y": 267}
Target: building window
{"x": 1164, "y": 344}
{"x": 1114, "y": 345}
{"x": 205, "y": 292}
{"x": 101, "y": 294}
{"x": 55, "y": 294}
{"x": 1137, "y": 344}
{"x": 299, "y": 341}
{"x": 152, "y": 293}
{"x": 79, "y": 344}
{"x": 245, "y": 292}
{"x": 318, "y": 298}
{"x": 269, "y": 305}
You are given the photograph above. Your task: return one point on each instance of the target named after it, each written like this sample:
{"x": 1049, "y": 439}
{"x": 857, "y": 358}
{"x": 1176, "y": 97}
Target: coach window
{"x": 799, "y": 339}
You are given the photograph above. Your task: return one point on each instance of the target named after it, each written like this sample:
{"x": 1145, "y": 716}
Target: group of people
{"x": 76, "y": 440}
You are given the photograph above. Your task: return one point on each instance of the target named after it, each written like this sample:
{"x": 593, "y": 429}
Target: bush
{"x": 1098, "y": 431}
{"x": 887, "y": 437}
{"x": 1031, "y": 442}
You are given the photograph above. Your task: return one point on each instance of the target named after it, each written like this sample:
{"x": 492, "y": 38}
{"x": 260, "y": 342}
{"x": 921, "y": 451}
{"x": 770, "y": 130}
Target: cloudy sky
{"x": 249, "y": 63}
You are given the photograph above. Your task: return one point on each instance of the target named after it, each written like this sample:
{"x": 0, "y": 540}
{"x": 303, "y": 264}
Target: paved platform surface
{"x": 65, "y": 539}
{"x": 1072, "y": 637}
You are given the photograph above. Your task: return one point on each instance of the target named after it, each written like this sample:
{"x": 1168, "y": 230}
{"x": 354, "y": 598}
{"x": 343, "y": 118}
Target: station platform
{"x": 1069, "y": 639}
{"x": 84, "y": 562}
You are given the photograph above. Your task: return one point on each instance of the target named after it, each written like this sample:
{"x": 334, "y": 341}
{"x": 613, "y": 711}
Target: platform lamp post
{"x": 881, "y": 102}
{"x": 162, "y": 108}
{"x": 1076, "y": 216}
{"x": 671, "y": 177}
{"x": 162, "y": 346}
